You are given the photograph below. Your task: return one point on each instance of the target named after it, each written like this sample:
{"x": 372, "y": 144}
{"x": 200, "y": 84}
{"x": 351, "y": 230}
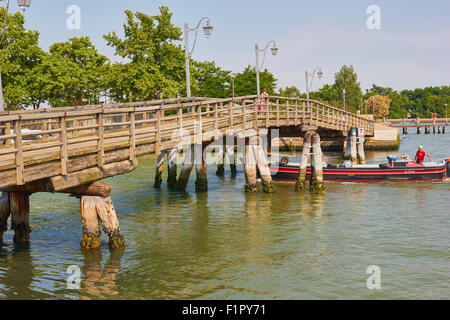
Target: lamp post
{"x": 23, "y": 4}
{"x": 309, "y": 84}
{"x": 274, "y": 50}
{"x": 343, "y": 91}
{"x": 207, "y": 30}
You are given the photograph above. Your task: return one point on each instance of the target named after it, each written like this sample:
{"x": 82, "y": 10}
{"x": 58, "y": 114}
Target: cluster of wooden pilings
{"x": 194, "y": 155}
{"x": 311, "y": 150}
{"x": 354, "y": 148}
{"x": 95, "y": 207}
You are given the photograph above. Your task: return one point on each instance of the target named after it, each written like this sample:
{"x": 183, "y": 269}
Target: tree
{"x": 211, "y": 80}
{"x": 347, "y": 79}
{"x": 292, "y": 92}
{"x": 75, "y": 72}
{"x": 20, "y": 54}
{"x": 379, "y": 105}
{"x": 153, "y": 65}
{"x": 245, "y": 82}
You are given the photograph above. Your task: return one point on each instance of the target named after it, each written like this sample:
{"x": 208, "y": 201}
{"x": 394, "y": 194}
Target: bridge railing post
{"x": 19, "y": 152}
{"x": 63, "y": 141}
{"x": 101, "y": 141}
{"x": 132, "y": 122}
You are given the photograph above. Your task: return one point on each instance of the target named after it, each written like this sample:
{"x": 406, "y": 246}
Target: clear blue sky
{"x": 411, "y": 50}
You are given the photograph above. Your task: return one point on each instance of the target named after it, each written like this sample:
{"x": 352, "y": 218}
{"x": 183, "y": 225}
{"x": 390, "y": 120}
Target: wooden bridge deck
{"x": 99, "y": 140}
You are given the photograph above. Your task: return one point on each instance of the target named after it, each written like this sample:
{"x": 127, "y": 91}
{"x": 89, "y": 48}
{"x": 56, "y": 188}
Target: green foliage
{"x": 72, "y": 73}
{"x": 292, "y": 92}
{"x": 20, "y": 55}
{"x": 423, "y": 102}
{"x": 211, "y": 80}
{"x": 245, "y": 82}
{"x": 153, "y": 65}
{"x": 347, "y": 79}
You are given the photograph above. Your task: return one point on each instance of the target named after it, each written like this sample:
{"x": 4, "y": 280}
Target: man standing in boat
{"x": 420, "y": 156}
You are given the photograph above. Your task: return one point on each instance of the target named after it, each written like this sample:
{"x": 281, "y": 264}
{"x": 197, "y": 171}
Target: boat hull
{"x": 290, "y": 173}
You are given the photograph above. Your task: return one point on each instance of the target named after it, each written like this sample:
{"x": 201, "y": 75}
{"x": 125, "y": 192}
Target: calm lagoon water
{"x": 226, "y": 244}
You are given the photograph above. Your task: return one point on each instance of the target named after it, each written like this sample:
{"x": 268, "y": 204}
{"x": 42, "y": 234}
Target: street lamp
{"x": 343, "y": 91}
{"x": 23, "y": 4}
{"x": 274, "y": 51}
{"x": 319, "y": 72}
{"x": 207, "y": 30}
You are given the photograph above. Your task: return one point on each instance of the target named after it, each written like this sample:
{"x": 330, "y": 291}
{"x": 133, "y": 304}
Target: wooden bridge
{"x": 69, "y": 149}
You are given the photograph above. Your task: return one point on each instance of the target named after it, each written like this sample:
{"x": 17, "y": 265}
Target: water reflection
{"x": 17, "y": 272}
{"x": 100, "y": 282}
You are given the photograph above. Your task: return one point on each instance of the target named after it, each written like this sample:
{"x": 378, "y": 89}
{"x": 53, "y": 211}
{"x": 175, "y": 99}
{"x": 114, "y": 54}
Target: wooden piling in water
{"x": 316, "y": 182}
{"x": 353, "y": 149}
{"x": 361, "y": 154}
{"x": 20, "y": 215}
{"x": 250, "y": 169}
{"x": 159, "y": 170}
{"x": 201, "y": 183}
{"x": 172, "y": 168}
{"x": 5, "y": 212}
{"x": 301, "y": 178}
{"x": 439, "y": 130}
{"x": 427, "y": 130}
{"x": 110, "y": 223}
{"x": 263, "y": 167}
{"x": 418, "y": 130}
{"x": 188, "y": 163}
{"x": 221, "y": 161}
{"x": 89, "y": 219}
{"x": 232, "y": 157}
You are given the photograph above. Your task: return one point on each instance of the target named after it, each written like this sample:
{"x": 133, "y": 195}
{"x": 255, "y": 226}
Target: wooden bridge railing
{"x": 45, "y": 143}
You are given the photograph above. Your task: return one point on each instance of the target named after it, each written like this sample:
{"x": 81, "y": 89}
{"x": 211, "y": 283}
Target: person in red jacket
{"x": 420, "y": 155}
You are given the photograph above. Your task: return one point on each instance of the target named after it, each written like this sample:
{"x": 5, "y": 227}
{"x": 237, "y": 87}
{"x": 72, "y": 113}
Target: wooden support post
{"x": 5, "y": 212}
{"x": 250, "y": 169}
{"x": 201, "y": 183}
{"x": 89, "y": 219}
{"x": 263, "y": 167}
{"x": 353, "y": 149}
{"x": 300, "y": 186}
{"x": 418, "y": 130}
{"x": 316, "y": 182}
{"x": 348, "y": 147}
{"x": 20, "y": 214}
{"x": 427, "y": 130}
{"x": 183, "y": 178}
{"x": 110, "y": 223}
{"x": 443, "y": 129}
{"x": 439, "y": 130}
{"x": 172, "y": 168}
{"x": 232, "y": 157}
{"x": 159, "y": 170}
{"x": 221, "y": 161}
{"x": 361, "y": 154}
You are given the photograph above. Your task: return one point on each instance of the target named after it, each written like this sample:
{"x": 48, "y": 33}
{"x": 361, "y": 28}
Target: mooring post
{"x": 361, "y": 154}
{"x": 172, "y": 168}
{"x": 353, "y": 153}
{"x": 427, "y": 130}
{"x": 188, "y": 163}
{"x": 418, "y": 130}
{"x": 250, "y": 168}
{"x": 201, "y": 183}
{"x": 159, "y": 170}
{"x": 348, "y": 148}
{"x": 108, "y": 217}
{"x": 316, "y": 182}
{"x": 5, "y": 212}
{"x": 263, "y": 167}
{"x": 89, "y": 219}
{"x": 439, "y": 130}
{"x": 301, "y": 178}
